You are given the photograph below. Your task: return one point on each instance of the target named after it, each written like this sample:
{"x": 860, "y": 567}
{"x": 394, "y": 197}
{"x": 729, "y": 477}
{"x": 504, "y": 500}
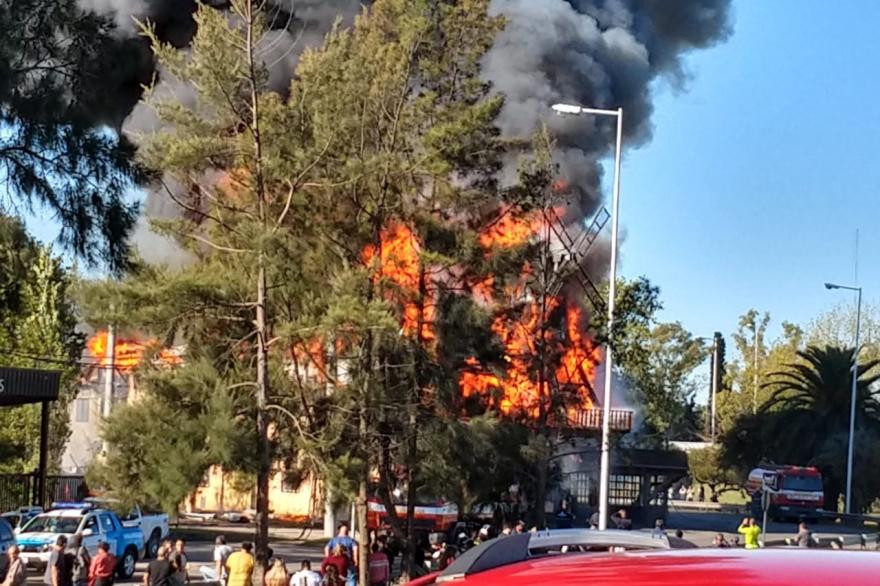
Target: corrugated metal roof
{"x": 19, "y": 386}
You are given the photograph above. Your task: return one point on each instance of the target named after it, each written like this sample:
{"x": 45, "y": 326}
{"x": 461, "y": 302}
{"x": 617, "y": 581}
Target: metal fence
{"x": 16, "y": 490}
{"x": 19, "y": 490}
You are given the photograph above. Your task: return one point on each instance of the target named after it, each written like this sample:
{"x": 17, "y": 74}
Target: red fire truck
{"x": 435, "y": 517}
{"x": 795, "y": 491}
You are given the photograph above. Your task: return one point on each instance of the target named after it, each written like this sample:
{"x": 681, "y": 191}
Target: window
{"x": 82, "y": 410}
{"x": 804, "y": 483}
{"x": 91, "y": 523}
{"x": 287, "y": 484}
{"x": 6, "y": 531}
{"x": 106, "y": 523}
{"x": 206, "y": 479}
{"x": 623, "y": 489}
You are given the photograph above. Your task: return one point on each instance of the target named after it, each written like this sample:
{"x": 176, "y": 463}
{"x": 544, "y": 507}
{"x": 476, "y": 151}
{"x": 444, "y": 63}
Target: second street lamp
{"x": 853, "y": 395}
{"x": 605, "y": 461}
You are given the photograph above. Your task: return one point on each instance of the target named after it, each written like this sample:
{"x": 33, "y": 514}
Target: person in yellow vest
{"x": 750, "y": 531}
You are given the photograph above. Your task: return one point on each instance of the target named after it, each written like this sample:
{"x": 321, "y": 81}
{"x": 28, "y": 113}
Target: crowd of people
{"x": 338, "y": 568}
{"x": 69, "y": 564}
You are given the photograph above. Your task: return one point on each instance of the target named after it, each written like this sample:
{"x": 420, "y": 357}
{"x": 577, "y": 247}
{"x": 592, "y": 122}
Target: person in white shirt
{"x": 218, "y": 572}
{"x": 305, "y": 576}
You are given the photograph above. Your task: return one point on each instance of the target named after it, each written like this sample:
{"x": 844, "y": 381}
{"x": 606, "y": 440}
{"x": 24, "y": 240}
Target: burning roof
{"x": 129, "y": 353}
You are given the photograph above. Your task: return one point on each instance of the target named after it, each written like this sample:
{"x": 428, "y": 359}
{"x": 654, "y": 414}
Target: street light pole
{"x": 755, "y": 381}
{"x": 853, "y": 395}
{"x": 605, "y": 459}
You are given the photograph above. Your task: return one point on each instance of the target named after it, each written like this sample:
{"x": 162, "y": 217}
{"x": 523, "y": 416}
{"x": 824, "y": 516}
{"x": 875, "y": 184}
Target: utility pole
{"x": 109, "y": 375}
{"x": 715, "y": 375}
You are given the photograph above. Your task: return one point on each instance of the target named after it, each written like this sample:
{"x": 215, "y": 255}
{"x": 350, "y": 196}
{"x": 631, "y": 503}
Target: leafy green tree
{"x": 807, "y": 414}
{"x": 836, "y": 327}
{"x": 287, "y": 243}
{"x": 637, "y": 304}
{"x": 162, "y": 445}
{"x": 405, "y": 83}
{"x": 738, "y": 394}
{"x": 62, "y": 86}
{"x": 707, "y": 467}
{"x": 38, "y": 331}
{"x": 662, "y": 383}
{"x": 244, "y": 220}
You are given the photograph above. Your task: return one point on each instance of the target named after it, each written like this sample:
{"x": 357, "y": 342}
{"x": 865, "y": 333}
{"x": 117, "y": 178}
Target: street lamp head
{"x": 831, "y": 286}
{"x": 566, "y": 109}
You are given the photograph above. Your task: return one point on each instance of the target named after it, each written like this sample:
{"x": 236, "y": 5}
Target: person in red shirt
{"x": 338, "y": 560}
{"x": 102, "y": 567}
{"x": 380, "y": 569}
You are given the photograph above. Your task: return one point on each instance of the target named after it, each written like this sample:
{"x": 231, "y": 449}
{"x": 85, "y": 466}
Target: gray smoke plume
{"x": 295, "y": 25}
{"x": 600, "y": 53}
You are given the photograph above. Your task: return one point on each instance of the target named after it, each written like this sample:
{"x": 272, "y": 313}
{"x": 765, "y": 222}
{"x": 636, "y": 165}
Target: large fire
{"x": 516, "y": 390}
{"x": 571, "y": 356}
{"x": 128, "y": 353}
{"x": 510, "y": 229}
{"x": 400, "y": 263}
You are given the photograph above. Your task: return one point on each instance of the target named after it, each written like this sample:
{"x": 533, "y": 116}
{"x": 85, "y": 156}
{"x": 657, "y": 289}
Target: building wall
{"x": 218, "y": 495}
{"x": 84, "y": 444}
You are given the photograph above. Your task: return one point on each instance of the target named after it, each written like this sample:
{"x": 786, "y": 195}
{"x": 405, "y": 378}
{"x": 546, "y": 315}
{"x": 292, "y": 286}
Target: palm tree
{"x": 809, "y": 411}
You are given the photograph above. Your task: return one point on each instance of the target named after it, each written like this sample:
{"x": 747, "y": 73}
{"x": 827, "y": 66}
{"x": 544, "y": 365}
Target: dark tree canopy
{"x": 66, "y": 83}
{"x": 806, "y": 420}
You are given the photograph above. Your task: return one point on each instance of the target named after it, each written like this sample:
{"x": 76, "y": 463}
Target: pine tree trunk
{"x": 538, "y": 516}
{"x": 264, "y": 464}
{"x": 361, "y": 510}
{"x": 263, "y": 455}
{"x": 411, "y": 498}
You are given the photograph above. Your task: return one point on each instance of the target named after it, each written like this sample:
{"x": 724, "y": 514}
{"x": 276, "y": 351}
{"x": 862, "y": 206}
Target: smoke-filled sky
{"x": 758, "y": 168}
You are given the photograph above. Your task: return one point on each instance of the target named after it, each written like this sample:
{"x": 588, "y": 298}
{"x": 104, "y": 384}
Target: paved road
{"x": 701, "y": 527}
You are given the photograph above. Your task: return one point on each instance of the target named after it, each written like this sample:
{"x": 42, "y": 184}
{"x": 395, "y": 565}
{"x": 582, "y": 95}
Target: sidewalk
{"x": 207, "y": 530}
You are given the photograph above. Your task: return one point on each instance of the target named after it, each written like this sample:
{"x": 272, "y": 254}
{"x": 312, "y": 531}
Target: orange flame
{"x": 576, "y": 356}
{"x": 510, "y": 229}
{"x": 128, "y": 353}
{"x": 516, "y": 391}
{"x": 400, "y": 263}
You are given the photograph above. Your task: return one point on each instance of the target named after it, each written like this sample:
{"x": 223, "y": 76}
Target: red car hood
{"x": 694, "y": 567}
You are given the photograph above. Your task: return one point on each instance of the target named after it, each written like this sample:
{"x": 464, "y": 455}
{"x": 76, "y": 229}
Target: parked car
{"x": 630, "y": 558}
{"x": 20, "y": 516}
{"x": 38, "y": 536}
{"x": 153, "y": 524}
{"x": 7, "y": 539}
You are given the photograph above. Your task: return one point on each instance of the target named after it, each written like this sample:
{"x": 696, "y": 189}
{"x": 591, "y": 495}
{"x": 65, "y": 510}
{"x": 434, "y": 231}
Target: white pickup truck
{"x": 153, "y": 524}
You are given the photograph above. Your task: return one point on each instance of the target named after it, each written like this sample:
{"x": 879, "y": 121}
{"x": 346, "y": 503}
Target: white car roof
{"x": 67, "y": 513}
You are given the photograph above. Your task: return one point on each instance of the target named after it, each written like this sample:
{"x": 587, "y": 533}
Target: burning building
{"x": 108, "y": 378}
{"x": 603, "y": 53}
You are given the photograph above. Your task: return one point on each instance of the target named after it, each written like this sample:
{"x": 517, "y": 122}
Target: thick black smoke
{"x": 600, "y": 53}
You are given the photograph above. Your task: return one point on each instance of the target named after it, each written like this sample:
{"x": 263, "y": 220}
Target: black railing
{"x": 16, "y": 490}
{"x": 19, "y": 490}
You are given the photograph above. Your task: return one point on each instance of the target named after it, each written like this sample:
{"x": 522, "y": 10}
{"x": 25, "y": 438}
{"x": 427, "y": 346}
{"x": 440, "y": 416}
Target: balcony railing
{"x": 621, "y": 419}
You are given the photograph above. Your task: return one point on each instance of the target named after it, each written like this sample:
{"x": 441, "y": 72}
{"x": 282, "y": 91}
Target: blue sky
{"x": 760, "y": 173}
